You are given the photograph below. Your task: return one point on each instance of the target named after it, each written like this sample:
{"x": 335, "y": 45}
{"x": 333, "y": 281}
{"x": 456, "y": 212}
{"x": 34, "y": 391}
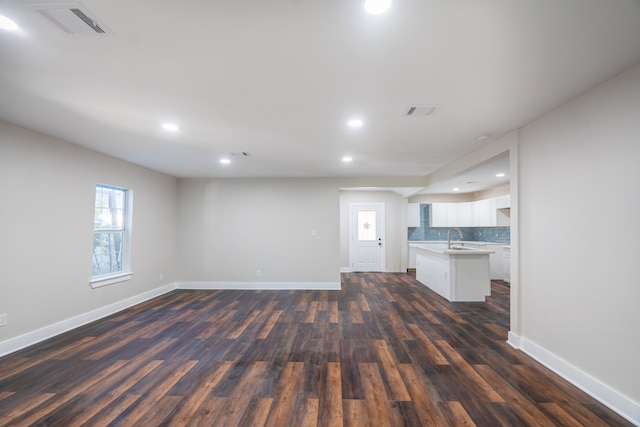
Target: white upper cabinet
{"x": 413, "y": 215}
{"x": 452, "y": 214}
{"x": 465, "y": 217}
{"x": 481, "y": 213}
{"x": 439, "y": 215}
{"x": 484, "y": 213}
{"x": 503, "y": 202}
{"x": 503, "y": 211}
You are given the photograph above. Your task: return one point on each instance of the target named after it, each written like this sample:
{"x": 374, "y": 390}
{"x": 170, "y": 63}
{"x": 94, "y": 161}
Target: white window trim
{"x": 126, "y": 274}
{"x": 98, "y": 282}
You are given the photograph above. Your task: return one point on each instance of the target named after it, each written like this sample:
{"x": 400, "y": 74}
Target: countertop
{"x": 456, "y": 248}
{"x": 457, "y": 242}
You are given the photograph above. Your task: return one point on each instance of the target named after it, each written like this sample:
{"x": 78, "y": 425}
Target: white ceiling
{"x": 480, "y": 177}
{"x": 279, "y": 79}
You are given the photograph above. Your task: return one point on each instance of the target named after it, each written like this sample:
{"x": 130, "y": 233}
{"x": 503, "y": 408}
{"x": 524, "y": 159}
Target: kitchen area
{"x": 457, "y": 248}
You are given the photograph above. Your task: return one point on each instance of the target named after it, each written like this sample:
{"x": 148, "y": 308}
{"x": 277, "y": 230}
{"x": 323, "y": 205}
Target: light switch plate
{"x": 3, "y": 319}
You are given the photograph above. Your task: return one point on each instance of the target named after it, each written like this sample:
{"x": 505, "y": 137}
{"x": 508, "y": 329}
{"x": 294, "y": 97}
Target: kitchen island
{"x": 458, "y": 273}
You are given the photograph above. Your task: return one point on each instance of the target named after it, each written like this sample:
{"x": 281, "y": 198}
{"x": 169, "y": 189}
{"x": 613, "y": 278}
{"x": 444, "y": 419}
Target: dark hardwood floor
{"x": 384, "y": 351}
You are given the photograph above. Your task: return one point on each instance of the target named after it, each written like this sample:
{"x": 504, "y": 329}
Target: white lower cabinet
{"x": 496, "y": 262}
{"x": 496, "y": 259}
{"x": 461, "y": 276}
{"x": 412, "y": 257}
{"x": 506, "y": 269}
{"x": 434, "y": 271}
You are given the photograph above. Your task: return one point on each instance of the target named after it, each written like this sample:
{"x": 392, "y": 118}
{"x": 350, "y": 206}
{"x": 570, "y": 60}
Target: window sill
{"x": 110, "y": 280}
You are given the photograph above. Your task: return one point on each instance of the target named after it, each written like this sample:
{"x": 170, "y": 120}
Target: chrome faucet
{"x": 449, "y": 236}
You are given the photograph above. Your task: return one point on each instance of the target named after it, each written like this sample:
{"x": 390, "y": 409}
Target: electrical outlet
{"x": 3, "y": 319}
{"x": 313, "y": 233}
{"x": 161, "y": 277}
{"x": 258, "y": 273}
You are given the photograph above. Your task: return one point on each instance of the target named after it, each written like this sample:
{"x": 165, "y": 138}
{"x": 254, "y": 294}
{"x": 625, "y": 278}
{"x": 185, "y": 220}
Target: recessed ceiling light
{"x": 499, "y": 175}
{"x": 456, "y": 189}
{"x": 376, "y": 7}
{"x": 225, "y": 161}
{"x": 7, "y": 24}
{"x": 347, "y": 159}
{"x": 483, "y": 137}
{"x": 170, "y": 127}
{"x": 354, "y": 123}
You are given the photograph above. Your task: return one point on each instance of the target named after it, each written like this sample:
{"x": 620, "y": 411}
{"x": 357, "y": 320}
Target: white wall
{"x": 395, "y": 226}
{"x": 47, "y": 190}
{"x": 579, "y": 232}
{"x": 230, "y": 228}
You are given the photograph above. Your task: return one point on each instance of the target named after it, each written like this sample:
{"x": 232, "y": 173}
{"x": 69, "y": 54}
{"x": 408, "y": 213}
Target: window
{"x": 366, "y": 225}
{"x": 111, "y": 229}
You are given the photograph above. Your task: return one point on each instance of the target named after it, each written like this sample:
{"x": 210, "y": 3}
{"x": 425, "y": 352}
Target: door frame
{"x": 382, "y": 231}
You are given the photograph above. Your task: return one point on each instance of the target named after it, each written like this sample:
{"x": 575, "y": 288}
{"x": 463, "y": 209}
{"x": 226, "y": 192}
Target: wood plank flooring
{"x": 384, "y": 351}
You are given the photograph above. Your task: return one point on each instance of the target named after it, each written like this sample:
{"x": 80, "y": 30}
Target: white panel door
{"x": 366, "y": 229}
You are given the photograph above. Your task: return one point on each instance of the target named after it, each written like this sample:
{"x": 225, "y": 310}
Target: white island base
{"x": 456, "y": 274}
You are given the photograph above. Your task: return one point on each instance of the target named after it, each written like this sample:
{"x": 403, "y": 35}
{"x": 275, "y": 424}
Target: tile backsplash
{"x": 480, "y": 234}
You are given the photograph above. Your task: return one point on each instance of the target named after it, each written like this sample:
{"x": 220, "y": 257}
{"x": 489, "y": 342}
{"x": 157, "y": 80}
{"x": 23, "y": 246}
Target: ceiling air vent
{"x": 72, "y": 18}
{"x": 421, "y": 110}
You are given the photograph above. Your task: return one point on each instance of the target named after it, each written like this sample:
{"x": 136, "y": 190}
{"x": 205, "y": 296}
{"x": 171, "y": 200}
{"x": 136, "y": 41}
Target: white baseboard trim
{"x": 513, "y": 340}
{"x": 22, "y": 341}
{"x": 345, "y": 270}
{"x": 255, "y": 286}
{"x": 608, "y": 396}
